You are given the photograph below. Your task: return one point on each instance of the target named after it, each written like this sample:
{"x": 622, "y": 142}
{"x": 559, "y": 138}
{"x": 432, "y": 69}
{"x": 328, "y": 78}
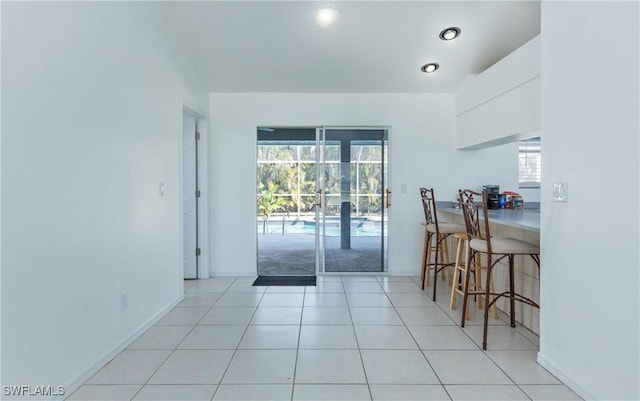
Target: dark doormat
{"x": 285, "y": 280}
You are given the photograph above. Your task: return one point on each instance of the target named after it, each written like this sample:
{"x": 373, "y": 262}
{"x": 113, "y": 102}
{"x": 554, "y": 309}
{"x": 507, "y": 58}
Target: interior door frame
{"x": 386, "y": 195}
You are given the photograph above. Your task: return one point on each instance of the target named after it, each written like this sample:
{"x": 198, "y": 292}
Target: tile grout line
{"x": 295, "y": 363}
{"x": 420, "y": 349}
{"x": 239, "y": 342}
{"x": 355, "y": 335}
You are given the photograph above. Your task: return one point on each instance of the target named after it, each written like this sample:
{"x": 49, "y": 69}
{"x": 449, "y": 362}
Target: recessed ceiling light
{"x": 450, "y": 33}
{"x": 429, "y": 68}
{"x": 327, "y": 16}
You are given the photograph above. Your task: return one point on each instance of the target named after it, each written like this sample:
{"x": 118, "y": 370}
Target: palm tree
{"x": 268, "y": 203}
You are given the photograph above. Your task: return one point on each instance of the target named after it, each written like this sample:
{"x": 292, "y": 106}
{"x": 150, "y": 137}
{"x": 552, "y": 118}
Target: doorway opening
{"x": 193, "y": 195}
{"x": 321, "y": 200}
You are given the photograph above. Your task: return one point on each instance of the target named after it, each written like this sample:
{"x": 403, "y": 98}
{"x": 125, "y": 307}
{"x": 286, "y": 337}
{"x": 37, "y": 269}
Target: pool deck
{"x": 294, "y": 254}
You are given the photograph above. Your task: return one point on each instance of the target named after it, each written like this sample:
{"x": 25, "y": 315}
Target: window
{"x": 529, "y": 163}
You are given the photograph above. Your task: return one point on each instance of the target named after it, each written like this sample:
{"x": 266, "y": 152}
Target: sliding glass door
{"x": 321, "y": 200}
{"x": 352, "y": 200}
{"x": 285, "y": 201}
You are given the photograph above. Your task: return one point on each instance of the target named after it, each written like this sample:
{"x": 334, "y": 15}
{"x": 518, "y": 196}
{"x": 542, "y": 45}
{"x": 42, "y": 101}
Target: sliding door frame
{"x": 321, "y": 205}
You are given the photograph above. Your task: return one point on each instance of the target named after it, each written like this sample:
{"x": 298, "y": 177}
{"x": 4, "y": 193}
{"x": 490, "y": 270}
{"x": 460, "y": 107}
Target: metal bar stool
{"x": 435, "y": 232}
{"x": 480, "y": 241}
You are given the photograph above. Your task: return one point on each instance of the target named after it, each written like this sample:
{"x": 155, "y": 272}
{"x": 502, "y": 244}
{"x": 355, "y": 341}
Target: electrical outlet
{"x": 124, "y": 300}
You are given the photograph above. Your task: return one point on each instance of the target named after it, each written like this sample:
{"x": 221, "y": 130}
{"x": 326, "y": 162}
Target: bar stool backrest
{"x": 429, "y": 206}
{"x": 471, "y": 213}
{"x": 487, "y": 233}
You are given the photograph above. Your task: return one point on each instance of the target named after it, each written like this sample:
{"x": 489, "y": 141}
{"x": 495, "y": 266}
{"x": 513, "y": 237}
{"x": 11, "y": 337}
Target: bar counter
{"x": 526, "y": 219}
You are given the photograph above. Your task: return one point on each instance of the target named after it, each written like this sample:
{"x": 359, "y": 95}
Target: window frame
{"x": 530, "y": 146}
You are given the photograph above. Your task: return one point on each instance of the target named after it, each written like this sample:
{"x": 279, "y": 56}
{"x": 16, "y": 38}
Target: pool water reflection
{"x": 360, "y": 227}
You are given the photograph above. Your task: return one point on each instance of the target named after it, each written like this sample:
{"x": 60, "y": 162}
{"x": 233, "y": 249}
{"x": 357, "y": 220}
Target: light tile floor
{"x": 348, "y": 338}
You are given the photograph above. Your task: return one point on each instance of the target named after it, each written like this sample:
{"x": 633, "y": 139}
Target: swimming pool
{"x": 360, "y": 227}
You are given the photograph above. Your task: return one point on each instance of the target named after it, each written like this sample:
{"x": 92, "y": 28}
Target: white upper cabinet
{"x": 502, "y": 104}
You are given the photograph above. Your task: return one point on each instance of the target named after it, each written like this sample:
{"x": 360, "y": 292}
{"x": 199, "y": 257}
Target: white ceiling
{"x": 376, "y": 46}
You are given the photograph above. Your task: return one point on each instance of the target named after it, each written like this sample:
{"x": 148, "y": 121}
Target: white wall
{"x": 590, "y": 263}
{"x": 422, "y": 153}
{"x": 530, "y": 194}
{"x": 90, "y": 127}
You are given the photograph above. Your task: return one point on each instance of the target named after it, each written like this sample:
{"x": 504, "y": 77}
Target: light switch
{"x": 560, "y": 192}
{"x": 161, "y": 189}
{"x": 403, "y": 188}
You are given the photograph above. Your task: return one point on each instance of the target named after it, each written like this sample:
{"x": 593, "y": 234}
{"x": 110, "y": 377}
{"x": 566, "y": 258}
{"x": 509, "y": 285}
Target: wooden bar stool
{"x": 496, "y": 249}
{"x": 460, "y": 275}
{"x": 438, "y": 233}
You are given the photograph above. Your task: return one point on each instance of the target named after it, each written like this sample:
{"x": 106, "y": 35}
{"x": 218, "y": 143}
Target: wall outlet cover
{"x": 560, "y": 192}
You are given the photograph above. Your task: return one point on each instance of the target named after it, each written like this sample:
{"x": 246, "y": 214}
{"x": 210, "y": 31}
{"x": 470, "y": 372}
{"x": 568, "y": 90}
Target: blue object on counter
{"x": 502, "y": 201}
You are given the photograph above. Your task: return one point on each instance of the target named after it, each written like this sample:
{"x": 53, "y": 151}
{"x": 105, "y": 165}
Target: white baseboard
{"x": 566, "y": 379}
{"x": 233, "y": 274}
{"x": 79, "y": 379}
{"x": 405, "y": 272}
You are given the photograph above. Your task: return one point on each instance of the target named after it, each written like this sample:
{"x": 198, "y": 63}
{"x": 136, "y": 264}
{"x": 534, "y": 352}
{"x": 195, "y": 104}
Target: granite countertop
{"x": 526, "y": 219}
